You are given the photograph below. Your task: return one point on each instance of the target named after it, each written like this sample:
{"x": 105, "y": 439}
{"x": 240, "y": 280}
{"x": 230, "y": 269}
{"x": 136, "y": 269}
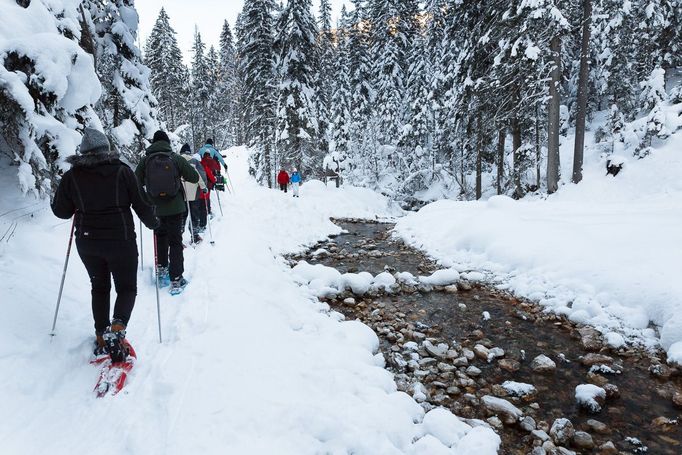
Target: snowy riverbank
{"x": 606, "y": 252}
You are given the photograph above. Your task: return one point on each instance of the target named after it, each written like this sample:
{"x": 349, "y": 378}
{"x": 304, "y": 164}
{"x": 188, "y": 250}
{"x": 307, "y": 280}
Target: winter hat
{"x": 94, "y": 142}
{"x": 160, "y": 136}
{"x": 185, "y": 150}
{"x": 209, "y": 141}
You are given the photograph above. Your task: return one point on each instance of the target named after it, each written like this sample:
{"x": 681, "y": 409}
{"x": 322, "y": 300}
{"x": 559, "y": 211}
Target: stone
{"x": 540, "y": 434}
{"x": 538, "y": 451}
{"x": 495, "y": 353}
{"x": 478, "y": 334}
{"x": 495, "y": 422}
{"x": 594, "y": 359}
{"x": 543, "y": 364}
{"x": 463, "y": 286}
{"x": 509, "y": 365}
{"x": 438, "y": 351}
{"x": 583, "y": 440}
{"x": 597, "y": 426}
{"x": 481, "y": 352}
{"x": 661, "y": 371}
{"x": 562, "y": 431}
{"x": 451, "y": 289}
{"x": 460, "y": 362}
{"x": 469, "y": 354}
{"x": 473, "y": 371}
{"x": 527, "y": 424}
{"x": 349, "y": 301}
{"x": 590, "y": 339}
{"x": 507, "y": 412}
{"x": 612, "y": 391}
{"x": 677, "y": 399}
{"x": 608, "y": 448}
{"x": 446, "y": 367}
{"x": 453, "y": 390}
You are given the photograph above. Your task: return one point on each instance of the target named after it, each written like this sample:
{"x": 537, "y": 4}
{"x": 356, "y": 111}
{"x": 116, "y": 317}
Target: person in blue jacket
{"x": 295, "y": 181}
{"x": 215, "y": 154}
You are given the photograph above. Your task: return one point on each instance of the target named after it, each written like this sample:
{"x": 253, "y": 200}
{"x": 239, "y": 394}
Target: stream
{"x": 451, "y": 346}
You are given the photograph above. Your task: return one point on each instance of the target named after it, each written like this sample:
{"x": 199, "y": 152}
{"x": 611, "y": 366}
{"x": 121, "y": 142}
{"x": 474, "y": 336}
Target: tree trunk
{"x": 479, "y": 156}
{"x": 538, "y": 150}
{"x": 554, "y": 118}
{"x": 582, "y": 94}
{"x": 516, "y": 145}
{"x": 501, "y": 135}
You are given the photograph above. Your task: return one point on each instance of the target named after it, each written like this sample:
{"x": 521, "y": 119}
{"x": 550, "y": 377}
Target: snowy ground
{"x": 250, "y": 363}
{"x": 606, "y": 252}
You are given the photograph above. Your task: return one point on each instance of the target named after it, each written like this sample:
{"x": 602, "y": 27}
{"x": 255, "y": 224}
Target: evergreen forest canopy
{"x": 435, "y": 98}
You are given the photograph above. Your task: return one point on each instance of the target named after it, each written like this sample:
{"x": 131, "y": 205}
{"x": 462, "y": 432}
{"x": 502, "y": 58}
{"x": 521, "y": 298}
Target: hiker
{"x": 99, "y": 191}
{"x": 212, "y": 169}
{"x": 160, "y": 172}
{"x": 194, "y": 194}
{"x": 295, "y": 182}
{"x": 208, "y": 147}
{"x": 283, "y": 180}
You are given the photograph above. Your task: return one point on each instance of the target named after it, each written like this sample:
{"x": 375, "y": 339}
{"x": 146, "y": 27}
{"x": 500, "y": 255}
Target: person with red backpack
{"x": 212, "y": 170}
{"x": 283, "y": 180}
{"x": 160, "y": 172}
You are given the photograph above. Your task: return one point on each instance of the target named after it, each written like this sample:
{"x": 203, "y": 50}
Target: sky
{"x": 208, "y": 15}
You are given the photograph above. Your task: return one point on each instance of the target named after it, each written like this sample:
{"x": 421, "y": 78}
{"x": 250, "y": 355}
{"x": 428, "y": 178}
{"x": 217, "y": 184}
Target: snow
{"x": 518, "y": 389}
{"x": 586, "y": 395}
{"x": 501, "y": 405}
{"x": 441, "y": 277}
{"x": 251, "y": 362}
{"x": 604, "y": 252}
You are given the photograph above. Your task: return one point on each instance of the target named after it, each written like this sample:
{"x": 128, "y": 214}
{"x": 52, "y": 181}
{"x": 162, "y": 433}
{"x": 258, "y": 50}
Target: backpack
{"x": 162, "y": 177}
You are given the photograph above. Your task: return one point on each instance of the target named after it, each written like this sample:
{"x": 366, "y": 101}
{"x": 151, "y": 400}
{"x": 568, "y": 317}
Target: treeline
{"x": 469, "y": 96}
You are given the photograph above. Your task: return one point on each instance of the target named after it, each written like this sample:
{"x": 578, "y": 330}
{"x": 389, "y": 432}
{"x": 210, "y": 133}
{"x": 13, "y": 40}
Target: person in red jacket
{"x": 212, "y": 169}
{"x": 283, "y": 180}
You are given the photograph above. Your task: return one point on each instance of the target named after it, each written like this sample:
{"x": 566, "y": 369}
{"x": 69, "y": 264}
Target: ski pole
{"x": 210, "y": 231}
{"x": 219, "y": 204}
{"x": 156, "y": 281}
{"x": 66, "y": 265}
{"x": 141, "y": 247}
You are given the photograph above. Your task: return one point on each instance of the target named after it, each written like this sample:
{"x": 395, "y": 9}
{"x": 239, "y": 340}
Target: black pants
{"x": 195, "y": 209}
{"x": 283, "y": 187}
{"x": 169, "y": 244}
{"x": 102, "y": 259}
{"x": 202, "y": 212}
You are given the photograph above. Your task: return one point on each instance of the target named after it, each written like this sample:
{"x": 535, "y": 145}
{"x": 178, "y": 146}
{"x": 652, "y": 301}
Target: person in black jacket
{"x": 99, "y": 191}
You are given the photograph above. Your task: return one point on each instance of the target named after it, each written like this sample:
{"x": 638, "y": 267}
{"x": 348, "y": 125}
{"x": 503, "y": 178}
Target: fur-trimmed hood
{"x": 93, "y": 159}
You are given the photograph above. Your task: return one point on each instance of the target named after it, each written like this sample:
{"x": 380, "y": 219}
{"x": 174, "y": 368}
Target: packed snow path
{"x": 250, "y": 363}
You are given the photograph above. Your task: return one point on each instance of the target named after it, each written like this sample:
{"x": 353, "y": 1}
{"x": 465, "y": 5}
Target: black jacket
{"x": 100, "y": 190}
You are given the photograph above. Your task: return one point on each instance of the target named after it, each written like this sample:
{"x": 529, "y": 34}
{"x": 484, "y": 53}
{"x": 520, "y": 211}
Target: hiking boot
{"x": 164, "y": 276}
{"x": 178, "y": 285}
{"x": 197, "y": 238}
{"x": 114, "y": 338}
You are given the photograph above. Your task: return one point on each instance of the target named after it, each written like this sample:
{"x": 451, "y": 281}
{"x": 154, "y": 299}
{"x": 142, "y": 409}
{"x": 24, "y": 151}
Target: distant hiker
{"x": 283, "y": 180}
{"x": 212, "y": 169}
{"x": 160, "y": 172}
{"x": 215, "y": 154}
{"x": 295, "y": 182}
{"x": 194, "y": 193}
{"x": 99, "y": 191}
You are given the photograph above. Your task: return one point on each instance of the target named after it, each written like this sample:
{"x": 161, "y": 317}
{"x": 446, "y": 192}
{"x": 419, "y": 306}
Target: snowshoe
{"x": 163, "y": 277}
{"x": 177, "y": 286}
{"x": 114, "y": 339}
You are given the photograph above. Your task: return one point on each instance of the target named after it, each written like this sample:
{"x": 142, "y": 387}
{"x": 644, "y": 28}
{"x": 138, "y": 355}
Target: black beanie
{"x": 209, "y": 141}
{"x": 160, "y": 136}
{"x": 185, "y": 150}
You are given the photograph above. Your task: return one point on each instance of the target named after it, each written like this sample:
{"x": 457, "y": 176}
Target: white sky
{"x": 208, "y": 15}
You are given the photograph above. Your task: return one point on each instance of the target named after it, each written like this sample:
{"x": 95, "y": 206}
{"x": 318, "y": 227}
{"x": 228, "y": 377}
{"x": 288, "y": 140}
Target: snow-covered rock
{"x": 543, "y": 364}
{"x": 442, "y": 277}
{"x": 590, "y": 396}
{"x": 518, "y": 389}
{"x": 503, "y": 408}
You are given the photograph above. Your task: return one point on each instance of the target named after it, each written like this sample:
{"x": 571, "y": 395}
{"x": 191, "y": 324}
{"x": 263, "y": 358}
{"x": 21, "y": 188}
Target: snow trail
{"x": 250, "y": 363}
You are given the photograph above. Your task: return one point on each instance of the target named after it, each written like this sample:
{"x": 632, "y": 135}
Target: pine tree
{"x": 200, "y": 94}
{"x": 298, "y": 111}
{"x": 257, "y": 69}
{"x": 229, "y": 96}
{"x": 325, "y": 75}
{"x": 164, "y": 59}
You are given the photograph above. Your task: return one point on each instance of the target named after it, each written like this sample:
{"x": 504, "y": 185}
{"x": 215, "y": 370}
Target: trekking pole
{"x": 141, "y": 247}
{"x": 210, "y": 231}
{"x": 61, "y": 286}
{"x": 219, "y": 204}
{"x": 156, "y": 281}
{"x": 229, "y": 180}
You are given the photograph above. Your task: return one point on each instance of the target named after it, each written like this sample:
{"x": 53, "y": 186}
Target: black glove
{"x": 225, "y": 166}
